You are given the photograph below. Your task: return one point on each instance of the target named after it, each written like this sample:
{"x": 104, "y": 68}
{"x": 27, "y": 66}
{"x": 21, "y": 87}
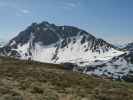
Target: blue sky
{"x": 111, "y": 20}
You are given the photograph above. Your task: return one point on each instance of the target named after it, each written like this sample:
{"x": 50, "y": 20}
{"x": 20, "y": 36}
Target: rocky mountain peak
{"x": 47, "y": 42}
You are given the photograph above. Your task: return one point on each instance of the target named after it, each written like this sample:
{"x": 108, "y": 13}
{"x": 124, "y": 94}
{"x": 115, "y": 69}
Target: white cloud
{"x": 70, "y": 5}
{"x": 25, "y": 11}
{"x": 17, "y": 9}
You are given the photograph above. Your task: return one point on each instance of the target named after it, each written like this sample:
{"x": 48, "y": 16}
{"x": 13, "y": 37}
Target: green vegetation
{"x": 25, "y": 80}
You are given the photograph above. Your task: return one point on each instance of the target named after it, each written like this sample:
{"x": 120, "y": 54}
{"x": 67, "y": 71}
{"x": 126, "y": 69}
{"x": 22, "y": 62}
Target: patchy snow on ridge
{"x": 74, "y": 53}
{"x": 117, "y": 67}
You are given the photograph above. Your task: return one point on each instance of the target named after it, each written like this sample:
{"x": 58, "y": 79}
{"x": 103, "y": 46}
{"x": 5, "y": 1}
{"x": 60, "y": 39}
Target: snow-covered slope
{"x": 46, "y": 42}
{"x": 118, "y": 67}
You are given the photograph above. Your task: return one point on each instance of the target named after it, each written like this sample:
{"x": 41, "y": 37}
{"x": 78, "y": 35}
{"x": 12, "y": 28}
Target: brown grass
{"x": 22, "y": 80}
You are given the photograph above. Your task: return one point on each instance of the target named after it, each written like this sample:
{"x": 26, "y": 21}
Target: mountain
{"x": 119, "y": 67}
{"x": 47, "y": 42}
{"x": 129, "y": 47}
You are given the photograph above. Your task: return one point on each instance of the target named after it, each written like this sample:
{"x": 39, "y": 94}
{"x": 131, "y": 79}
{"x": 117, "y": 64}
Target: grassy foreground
{"x": 22, "y": 80}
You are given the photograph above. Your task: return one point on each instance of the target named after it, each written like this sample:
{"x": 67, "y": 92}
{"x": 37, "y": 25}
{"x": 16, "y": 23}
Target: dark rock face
{"x": 47, "y": 33}
{"x": 41, "y": 33}
{"x": 128, "y": 78}
{"x": 69, "y": 66}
